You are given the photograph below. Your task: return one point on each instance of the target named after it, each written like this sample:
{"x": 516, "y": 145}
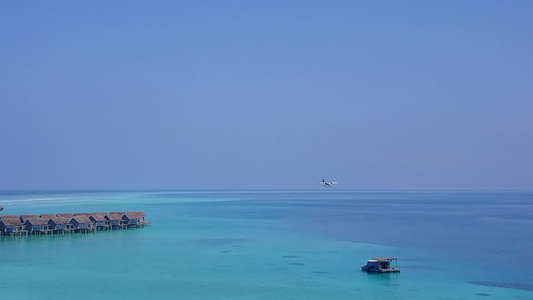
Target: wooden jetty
{"x": 62, "y": 223}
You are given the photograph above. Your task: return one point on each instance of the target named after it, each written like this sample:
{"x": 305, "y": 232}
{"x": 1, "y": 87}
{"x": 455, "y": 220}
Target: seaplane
{"x": 328, "y": 184}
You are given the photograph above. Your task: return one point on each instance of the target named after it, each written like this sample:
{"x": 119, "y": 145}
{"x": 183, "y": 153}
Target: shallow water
{"x": 277, "y": 245}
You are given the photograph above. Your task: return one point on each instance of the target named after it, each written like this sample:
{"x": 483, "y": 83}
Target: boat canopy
{"x": 384, "y": 258}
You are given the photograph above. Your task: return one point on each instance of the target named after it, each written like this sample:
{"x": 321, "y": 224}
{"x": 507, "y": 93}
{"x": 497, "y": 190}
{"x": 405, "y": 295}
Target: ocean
{"x": 276, "y": 245}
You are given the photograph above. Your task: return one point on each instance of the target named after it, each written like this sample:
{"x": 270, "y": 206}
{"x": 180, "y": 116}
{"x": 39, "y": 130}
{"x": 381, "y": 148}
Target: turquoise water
{"x": 277, "y": 245}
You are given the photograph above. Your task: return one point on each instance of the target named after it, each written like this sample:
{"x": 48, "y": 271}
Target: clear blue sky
{"x": 266, "y": 94}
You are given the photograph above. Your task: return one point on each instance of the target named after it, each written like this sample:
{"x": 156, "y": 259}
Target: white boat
{"x": 381, "y": 265}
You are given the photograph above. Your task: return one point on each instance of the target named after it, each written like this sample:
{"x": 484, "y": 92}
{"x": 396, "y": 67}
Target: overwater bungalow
{"x": 12, "y": 225}
{"x": 37, "y": 225}
{"x": 100, "y": 221}
{"x": 82, "y": 223}
{"x": 134, "y": 219}
{"x": 61, "y": 224}
{"x": 67, "y": 222}
{"x": 116, "y": 220}
{"x": 23, "y": 218}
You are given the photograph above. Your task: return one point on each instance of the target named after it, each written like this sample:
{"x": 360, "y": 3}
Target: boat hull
{"x": 375, "y": 270}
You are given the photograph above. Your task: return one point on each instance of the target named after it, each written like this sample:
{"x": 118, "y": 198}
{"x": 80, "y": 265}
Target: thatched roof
{"x": 62, "y": 220}
{"x": 82, "y": 219}
{"x": 67, "y": 215}
{"x": 11, "y": 220}
{"x": 48, "y": 216}
{"x": 36, "y": 221}
{"x": 135, "y": 215}
{"x": 99, "y": 216}
{"x": 26, "y": 217}
{"x": 115, "y": 216}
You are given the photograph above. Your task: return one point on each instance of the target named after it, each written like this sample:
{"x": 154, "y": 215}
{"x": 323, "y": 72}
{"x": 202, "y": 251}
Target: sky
{"x": 194, "y": 95}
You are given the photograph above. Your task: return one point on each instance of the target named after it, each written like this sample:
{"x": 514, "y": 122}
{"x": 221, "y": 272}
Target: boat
{"x": 381, "y": 265}
{"x": 1, "y": 207}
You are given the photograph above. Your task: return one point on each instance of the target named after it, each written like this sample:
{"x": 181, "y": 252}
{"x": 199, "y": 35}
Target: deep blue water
{"x": 278, "y": 245}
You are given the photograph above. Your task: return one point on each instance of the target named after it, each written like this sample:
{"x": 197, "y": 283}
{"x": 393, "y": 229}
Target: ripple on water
{"x": 506, "y": 285}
